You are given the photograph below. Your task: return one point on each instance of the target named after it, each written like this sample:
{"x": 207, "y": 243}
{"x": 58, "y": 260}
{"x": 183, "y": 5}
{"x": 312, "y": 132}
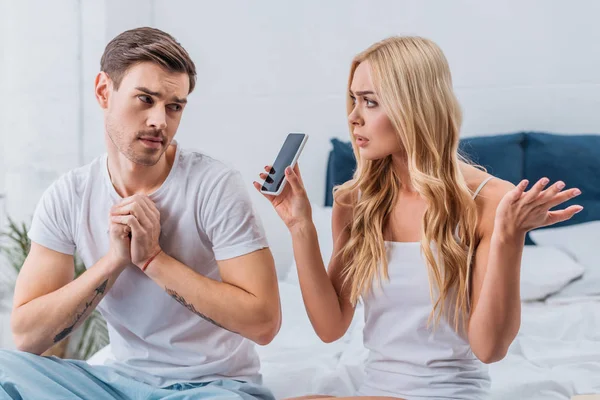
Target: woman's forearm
{"x": 496, "y": 319}
{"x": 321, "y": 300}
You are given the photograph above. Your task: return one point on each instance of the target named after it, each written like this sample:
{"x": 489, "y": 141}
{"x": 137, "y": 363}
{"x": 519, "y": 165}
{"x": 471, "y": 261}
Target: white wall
{"x": 3, "y": 136}
{"x": 40, "y": 98}
{"x": 270, "y": 67}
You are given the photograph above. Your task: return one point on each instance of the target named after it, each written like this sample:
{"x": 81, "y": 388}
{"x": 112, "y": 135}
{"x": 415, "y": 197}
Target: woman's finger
{"x": 555, "y": 217}
{"x": 533, "y": 194}
{"x": 561, "y": 197}
{"x": 294, "y": 181}
{"x": 518, "y": 191}
{"x": 258, "y": 187}
{"x": 266, "y": 178}
{"x": 550, "y": 192}
{"x": 297, "y": 172}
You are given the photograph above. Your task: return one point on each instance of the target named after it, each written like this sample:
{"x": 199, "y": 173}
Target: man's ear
{"x": 103, "y": 86}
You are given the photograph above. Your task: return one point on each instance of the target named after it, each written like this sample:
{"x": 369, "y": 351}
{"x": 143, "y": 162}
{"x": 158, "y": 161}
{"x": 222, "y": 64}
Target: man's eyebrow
{"x": 159, "y": 95}
{"x": 148, "y": 91}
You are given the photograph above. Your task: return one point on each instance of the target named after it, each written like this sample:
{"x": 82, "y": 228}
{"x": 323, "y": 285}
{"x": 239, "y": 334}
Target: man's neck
{"x": 129, "y": 178}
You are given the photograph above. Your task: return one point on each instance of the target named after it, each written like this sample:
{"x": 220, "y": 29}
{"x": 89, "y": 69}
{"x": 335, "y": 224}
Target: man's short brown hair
{"x": 145, "y": 44}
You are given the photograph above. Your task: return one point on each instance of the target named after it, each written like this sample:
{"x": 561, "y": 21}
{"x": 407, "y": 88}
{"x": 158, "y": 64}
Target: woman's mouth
{"x": 361, "y": 141}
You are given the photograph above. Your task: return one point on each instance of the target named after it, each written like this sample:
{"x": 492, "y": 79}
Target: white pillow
{"x": 580, "y": 241}
{"x": 545, "y": 271}
{"x": 322, "y": 220}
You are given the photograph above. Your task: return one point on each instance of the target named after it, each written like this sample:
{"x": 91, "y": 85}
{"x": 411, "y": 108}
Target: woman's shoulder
{"x": 493, "y": 189}
{"x": 489, "y": 196}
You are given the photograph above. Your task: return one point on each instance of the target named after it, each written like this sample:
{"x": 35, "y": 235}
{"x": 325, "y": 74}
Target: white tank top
{"x": 407, "y": 357}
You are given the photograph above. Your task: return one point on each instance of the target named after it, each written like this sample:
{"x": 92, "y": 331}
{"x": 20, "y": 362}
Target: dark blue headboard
{"x": 574, "y": 159}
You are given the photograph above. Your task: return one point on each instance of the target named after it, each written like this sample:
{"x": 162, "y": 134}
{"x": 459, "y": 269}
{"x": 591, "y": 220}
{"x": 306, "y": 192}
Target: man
{"x": 177, "y": 262}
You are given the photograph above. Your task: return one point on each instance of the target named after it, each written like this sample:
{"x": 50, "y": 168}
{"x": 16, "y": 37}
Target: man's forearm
{"x": 222, "y": 304}
{"x": 46, "y": 320}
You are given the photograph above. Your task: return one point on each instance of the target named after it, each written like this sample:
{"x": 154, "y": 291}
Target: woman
{"x": 429, "y": 243}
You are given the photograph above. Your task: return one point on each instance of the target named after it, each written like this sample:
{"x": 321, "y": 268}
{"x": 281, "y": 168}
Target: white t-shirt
{"x": 206, "y": 215}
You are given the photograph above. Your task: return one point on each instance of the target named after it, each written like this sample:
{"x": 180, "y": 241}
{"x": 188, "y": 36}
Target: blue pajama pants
{"x": 28, "y": 376}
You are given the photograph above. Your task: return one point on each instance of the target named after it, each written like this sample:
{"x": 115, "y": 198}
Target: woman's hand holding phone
{"x": 292, "y": 204}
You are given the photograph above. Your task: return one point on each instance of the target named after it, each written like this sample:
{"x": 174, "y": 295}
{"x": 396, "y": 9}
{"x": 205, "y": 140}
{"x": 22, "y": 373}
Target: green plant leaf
{"x": 93, "y": 338}
{"x": 17, "y": 244}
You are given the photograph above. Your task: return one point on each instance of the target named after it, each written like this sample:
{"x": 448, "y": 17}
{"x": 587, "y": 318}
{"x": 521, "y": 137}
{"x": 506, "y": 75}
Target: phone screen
{"x": 284, "y": 159}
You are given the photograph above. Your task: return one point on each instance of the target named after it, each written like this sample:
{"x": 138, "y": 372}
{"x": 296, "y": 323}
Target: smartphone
{"x": 287, "y": 157}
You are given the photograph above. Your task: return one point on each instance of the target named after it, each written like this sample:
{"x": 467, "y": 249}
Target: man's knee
{"x": 7, "y": 356}
{"x": 15, "y": 361}
{"x": 10, "y": 365}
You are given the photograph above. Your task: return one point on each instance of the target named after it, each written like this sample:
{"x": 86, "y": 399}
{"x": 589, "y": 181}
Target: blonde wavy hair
{"x": 413, "y": 82}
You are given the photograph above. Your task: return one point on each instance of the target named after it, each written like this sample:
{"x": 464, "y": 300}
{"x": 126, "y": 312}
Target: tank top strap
{"x": 481, "y": 185}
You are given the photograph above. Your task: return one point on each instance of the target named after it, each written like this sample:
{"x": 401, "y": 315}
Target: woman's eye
{"x": 370, "y": 103}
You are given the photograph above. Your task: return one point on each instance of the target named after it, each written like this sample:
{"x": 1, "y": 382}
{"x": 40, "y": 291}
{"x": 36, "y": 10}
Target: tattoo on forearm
{"x": 191, "y": 307}
{"x": 99, "y": 291}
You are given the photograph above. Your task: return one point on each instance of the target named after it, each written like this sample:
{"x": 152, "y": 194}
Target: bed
{"x": 557, "y": 352}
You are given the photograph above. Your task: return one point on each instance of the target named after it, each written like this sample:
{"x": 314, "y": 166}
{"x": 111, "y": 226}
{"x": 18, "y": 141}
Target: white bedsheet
{"x": 556, "y": 354}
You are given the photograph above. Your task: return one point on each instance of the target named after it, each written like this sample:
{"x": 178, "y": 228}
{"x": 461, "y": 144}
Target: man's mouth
{"x": 152, "y": 139}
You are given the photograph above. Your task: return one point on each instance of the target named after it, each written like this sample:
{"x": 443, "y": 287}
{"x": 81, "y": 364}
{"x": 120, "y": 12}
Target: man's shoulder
{"x": 78, "y": 178}
{"x": 206, "y": 169}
